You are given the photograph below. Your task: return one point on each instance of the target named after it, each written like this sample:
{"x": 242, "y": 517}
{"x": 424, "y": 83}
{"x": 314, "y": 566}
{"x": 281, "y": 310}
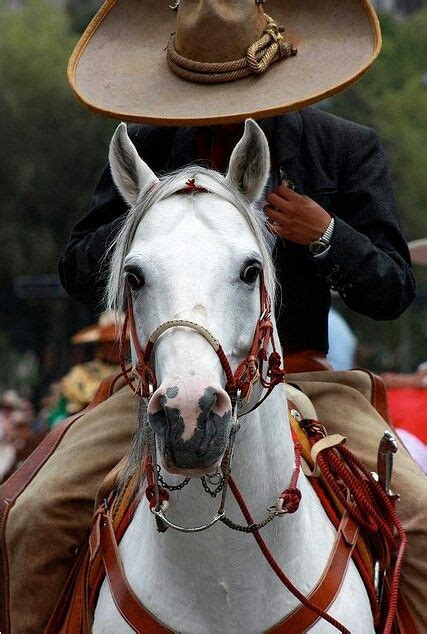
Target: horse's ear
{"x": 249, "y": 167}
{"x": 130, "y": 173}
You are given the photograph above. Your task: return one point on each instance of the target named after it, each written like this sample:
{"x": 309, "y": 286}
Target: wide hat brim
{"x": 119, "y": 66}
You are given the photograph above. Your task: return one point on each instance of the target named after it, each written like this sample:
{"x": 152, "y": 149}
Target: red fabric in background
{"x": 408, "y": 409}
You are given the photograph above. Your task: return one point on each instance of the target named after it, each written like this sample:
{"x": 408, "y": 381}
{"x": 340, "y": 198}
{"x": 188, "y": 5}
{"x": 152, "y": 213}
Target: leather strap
{"x": 127, "y": 603}
{"x": 325, "y": 592}
{"x": 379, "y": 395}
{"x": 141, "y": 620}
{"x": 247, "y": 373}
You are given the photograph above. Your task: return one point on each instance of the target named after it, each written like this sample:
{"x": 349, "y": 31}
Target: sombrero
{"x": 107, "y": 329}
{"x": 213, "y": 62}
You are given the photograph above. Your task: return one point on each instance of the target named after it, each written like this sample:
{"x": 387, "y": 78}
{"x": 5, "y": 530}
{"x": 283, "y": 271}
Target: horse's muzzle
{"x": 192, "y": 421}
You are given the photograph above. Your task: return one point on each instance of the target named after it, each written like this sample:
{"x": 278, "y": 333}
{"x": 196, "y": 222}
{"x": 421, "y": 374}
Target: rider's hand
{"x": 294, "y": 217}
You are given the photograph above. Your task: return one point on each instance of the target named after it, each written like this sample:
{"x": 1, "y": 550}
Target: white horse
{"x": 197, "y": 257}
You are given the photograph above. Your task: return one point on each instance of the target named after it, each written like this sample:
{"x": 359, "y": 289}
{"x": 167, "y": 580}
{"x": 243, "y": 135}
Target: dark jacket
{"x": 339, "y": 164}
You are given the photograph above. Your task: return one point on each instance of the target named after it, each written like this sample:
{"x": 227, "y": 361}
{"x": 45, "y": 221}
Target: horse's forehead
{"x": 202, "y": 214}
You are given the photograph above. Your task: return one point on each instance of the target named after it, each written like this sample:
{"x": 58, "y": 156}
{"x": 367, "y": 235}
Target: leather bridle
{"x": 249, "y": 372}
{"x": 246, "y": 375}
{"x": 239, "y": 386}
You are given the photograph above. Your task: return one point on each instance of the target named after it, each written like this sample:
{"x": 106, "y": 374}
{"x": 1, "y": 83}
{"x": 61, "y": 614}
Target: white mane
{"x": 171, "y": 184}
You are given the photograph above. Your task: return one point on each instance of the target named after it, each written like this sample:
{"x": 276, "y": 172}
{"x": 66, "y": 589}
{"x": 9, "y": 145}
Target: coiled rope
{"x": 269, "y": 48}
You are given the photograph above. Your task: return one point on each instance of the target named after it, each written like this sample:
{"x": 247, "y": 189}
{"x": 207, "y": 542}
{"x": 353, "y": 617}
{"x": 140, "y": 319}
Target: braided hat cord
{"x": 269, "y": 48}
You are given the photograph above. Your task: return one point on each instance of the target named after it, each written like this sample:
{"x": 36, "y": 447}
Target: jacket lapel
{"x": 285, "y": 145}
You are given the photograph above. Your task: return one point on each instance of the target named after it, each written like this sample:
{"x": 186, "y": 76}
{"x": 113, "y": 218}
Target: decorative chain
{"x": 171, "y": 487}
{"x": 212, "y": 492}
{"x": 204, "y": 480}
{"x": 269, "y": 48}
{"x": 251, "y": 528}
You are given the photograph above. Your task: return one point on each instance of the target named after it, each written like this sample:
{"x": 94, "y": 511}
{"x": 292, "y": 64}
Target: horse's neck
{"x": 265, "y": 461}
{"x": 221, "y": 564}
{"x": 264, "y": 454}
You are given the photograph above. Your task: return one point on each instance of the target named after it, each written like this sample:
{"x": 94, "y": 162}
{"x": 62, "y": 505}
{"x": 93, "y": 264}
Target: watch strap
{"x": 322, "y": 244}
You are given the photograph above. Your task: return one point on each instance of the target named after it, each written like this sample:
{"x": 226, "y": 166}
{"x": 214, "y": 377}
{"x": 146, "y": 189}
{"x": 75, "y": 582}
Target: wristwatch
{"x": 322, "y": 244}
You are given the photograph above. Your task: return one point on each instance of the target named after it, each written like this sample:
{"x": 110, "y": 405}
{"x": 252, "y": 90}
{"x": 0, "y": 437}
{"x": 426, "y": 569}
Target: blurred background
{"x": 54, "y": 150}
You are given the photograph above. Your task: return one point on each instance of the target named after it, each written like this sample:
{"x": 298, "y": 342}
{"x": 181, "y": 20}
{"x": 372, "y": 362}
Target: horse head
{"x": 192, "y": 248}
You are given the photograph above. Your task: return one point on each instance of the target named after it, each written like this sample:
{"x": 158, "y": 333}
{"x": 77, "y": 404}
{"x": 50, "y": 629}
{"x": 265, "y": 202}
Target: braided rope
{"x": 368, "y": 505}
{"x": 269, "y": 48}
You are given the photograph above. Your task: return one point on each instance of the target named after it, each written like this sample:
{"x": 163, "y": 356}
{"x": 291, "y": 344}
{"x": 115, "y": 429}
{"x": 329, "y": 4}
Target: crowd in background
{"x": 23, "y": 424}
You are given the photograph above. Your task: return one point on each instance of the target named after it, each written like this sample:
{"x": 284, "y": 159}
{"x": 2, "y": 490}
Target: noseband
{"x": 249, "y": 372}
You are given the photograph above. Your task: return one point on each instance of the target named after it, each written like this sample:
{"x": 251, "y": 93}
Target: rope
{"x": 269, "y": 48}
{"x": 368, "y": 505}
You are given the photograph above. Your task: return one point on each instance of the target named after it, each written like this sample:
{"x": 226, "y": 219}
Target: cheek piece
{"x": 239, "y": 383}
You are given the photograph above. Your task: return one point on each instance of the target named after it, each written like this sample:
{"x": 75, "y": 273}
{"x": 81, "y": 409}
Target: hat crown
{"x": 218, "y": 30}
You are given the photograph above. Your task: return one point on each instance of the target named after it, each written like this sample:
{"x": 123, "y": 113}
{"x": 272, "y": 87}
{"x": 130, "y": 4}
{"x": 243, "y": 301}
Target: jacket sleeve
{"x": 368, "y": 262}
{"x": 83, "y": 265}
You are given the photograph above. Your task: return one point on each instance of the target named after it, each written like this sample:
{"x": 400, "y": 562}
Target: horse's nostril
{"x": 208, "y": 401}
{"x": 155, "y": 403}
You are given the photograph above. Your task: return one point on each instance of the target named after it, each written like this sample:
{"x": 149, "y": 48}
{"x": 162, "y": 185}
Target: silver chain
{"x": 219, "y": 485}
{"x": 171, "y": 487}
{"x": 250, "y": 528}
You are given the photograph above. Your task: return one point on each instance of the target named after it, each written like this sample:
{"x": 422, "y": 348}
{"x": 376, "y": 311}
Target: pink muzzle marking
{"x": 193, "y": 398}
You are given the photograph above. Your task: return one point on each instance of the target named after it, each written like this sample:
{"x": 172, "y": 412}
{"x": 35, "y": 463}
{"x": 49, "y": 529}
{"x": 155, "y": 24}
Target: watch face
{"x": 317, "y": 247}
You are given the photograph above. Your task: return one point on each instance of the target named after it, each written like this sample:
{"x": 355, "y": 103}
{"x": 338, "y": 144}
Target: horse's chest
{"x": 194, "y": 584}
{"x": 218, "y": 581}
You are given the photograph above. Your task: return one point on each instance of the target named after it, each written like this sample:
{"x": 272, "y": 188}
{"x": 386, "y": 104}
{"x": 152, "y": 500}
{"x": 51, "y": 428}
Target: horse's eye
{"x": 135, "y": 280}
{"x": 250, "y": 272}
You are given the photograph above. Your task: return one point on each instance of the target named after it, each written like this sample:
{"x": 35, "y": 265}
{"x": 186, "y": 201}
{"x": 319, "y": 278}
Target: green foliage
{"x": 54, "y": 148}
{"x": 80, "y": 12}
{"x": 392, "y": 98}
